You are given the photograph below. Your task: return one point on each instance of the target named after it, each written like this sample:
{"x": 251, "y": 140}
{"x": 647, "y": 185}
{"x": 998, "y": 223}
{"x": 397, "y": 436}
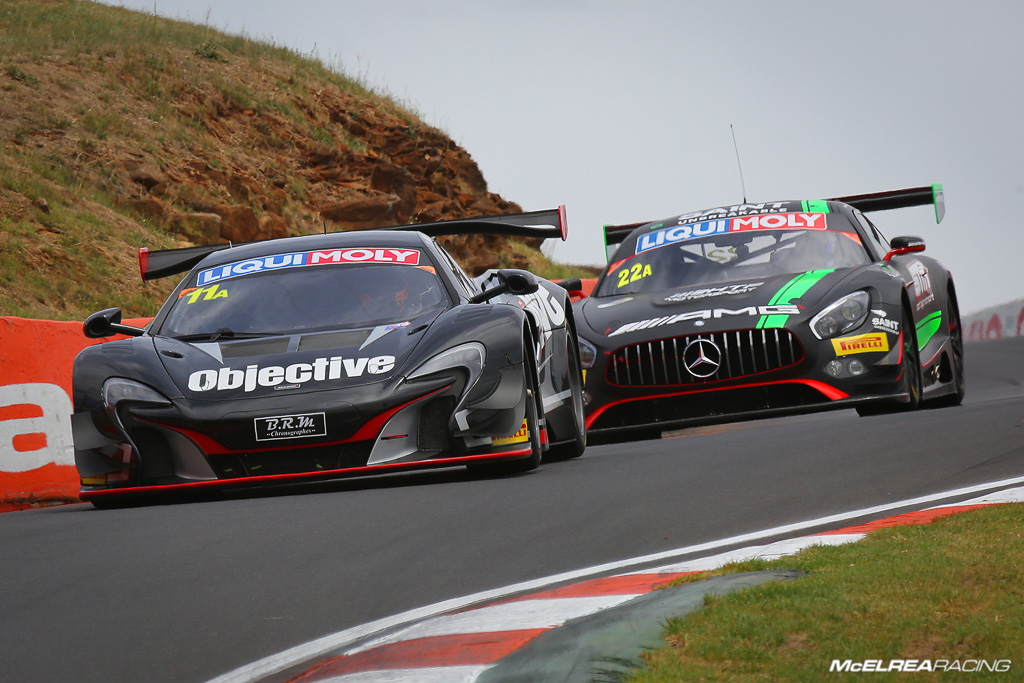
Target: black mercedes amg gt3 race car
{"x": 324, "y": 356}
{"x": 768, "y": 308}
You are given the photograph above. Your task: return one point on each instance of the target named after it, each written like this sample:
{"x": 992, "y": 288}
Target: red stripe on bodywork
{"x": 451, "y": 650}
{"x": 311, "y": 476}
{"x": 830, "y": 392}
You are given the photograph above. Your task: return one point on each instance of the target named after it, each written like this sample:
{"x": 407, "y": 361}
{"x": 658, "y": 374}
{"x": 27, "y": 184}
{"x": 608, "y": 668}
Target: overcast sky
{"x": 621, "y": 109}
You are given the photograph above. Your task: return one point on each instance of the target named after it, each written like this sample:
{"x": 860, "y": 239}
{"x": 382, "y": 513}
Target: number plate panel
{"x": 299, "y": 426}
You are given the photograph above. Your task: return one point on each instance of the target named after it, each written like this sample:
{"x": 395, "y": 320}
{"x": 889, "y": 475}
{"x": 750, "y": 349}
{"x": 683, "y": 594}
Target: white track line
{"x": 276, "y": 663}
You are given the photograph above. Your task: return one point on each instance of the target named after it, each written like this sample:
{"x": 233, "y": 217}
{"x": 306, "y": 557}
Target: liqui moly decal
{"x": 774, "y": 221}
{"x": 321, "y": 369}
{"x": 706, "y": 314}
{"x": 409, "y": 257}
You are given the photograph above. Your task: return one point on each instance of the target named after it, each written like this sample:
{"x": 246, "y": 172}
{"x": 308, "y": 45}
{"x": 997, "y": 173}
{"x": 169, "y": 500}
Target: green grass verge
{"x": 952, "y": 591}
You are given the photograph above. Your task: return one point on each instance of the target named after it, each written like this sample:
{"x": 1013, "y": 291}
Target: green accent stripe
{"x": 794, "y": 289}
{"x": 815, "y": 206}
{"x": 927, "y": 328}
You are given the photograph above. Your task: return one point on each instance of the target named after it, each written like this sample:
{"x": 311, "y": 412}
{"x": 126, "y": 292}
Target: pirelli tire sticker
{"x": 522, "y": 436}
{"x": 862, "y": 343}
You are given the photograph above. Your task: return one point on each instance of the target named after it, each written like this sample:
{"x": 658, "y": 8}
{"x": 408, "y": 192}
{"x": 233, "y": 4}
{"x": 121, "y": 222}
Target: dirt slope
{"x": 120, "y": 129}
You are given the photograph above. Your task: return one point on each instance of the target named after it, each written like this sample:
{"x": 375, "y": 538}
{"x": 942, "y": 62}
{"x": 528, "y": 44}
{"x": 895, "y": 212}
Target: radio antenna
{"x": 743, "y": 185}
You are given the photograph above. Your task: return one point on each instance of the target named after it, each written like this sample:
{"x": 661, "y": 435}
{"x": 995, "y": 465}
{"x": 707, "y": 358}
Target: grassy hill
{"x": 121, "y": 129}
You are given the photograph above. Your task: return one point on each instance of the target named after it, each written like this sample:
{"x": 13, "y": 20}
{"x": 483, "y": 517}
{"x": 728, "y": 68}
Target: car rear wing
{"x": 537, "y": 224}
{"x": 878, "y": 201}
{"x": 898, "y": 199}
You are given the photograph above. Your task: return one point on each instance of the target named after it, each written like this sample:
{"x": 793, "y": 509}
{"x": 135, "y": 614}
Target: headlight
{"x": 469, "y": 356}
{"x": 588, "y": 354}
{"x": 118, "y": 389}
{"x": 845, "y": 314}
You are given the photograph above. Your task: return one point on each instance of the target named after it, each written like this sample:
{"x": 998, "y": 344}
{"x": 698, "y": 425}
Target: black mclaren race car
{"x": 329, "y": 355}
{"x": 764, "y": 309}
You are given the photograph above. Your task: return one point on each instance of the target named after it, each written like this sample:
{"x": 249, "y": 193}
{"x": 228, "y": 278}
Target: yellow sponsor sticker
{"x": 193, "y": 294}
{"x": 521, "y": 436}
{"x": 862, "y": 343}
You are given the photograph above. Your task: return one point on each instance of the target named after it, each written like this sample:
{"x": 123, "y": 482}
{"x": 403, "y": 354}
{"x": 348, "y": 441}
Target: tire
{"x": 574, "y": 379}
{"x": 533, "y": 413}
{"x": 913, "y": 378}
{"x": 956, "y": 344}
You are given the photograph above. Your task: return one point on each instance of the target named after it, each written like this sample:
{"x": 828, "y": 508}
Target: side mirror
{"x": 107, "y": 323}
{"x": 510, "y": 281}
{"x": 904, "y": 245}
{"x": 573, "y": 284}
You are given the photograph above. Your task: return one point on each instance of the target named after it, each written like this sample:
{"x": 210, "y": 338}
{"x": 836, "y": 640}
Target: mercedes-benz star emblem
{"x": 702, "y": 358}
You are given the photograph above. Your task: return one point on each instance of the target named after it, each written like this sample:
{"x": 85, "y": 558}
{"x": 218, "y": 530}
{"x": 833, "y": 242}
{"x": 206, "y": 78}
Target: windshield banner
{"x": 775, "y": 221}
{"x": 409, "y": 257}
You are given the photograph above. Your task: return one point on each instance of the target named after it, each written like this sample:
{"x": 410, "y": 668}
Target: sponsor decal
{"x": 706, "y": 314}
{"x": 708, "y": 292}
{"x": 681, "y": 233}
{"x": 521, "y": 436}
{"x": 194, "y": 294}
{"x": 862, "y": 343}
{"x": 922, "y": 284}
{"x": 409, "y": 257}
{"x": 320, "y": 370}
{"x": 736, "y": 210}
{"x": 886, "y": 325}
{"x": 545, "y": 306}
{"x": 380, "y": 331}
{"x": 290, "y": 426}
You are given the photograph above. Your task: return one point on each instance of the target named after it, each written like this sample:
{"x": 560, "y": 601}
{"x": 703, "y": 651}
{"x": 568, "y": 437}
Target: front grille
{"x": 290, "y": 461}
{"x": 743, "y": 353}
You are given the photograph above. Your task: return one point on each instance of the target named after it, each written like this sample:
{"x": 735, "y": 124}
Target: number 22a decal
{"x": 637, "y": 272}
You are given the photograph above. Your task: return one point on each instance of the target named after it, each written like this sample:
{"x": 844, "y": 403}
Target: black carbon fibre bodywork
{"x": 692, "y": 323}
{"x": 220, "y": 390}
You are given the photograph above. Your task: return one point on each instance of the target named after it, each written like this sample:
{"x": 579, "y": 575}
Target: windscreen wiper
{"x": 225, "y": 333}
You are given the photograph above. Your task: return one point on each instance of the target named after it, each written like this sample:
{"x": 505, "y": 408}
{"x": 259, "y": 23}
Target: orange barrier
{"x": 37, "y": 462}
{"x": 36, "y": 452}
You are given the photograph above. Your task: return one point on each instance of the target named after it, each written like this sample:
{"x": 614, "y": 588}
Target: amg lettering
{"x": 707, "y": 314}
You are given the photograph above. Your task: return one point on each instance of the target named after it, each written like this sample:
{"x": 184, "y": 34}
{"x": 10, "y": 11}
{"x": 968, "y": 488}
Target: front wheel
{"x": 574, "y": 380}
{"x": 913, "y": 378}
{"x": 956, "y": 367}
{"x": 532, "y": 419}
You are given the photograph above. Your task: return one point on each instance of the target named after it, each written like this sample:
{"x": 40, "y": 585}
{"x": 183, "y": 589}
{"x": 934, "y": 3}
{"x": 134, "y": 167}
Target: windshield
{"x": 676, "y": 257}
{"x": 291, "y": 300}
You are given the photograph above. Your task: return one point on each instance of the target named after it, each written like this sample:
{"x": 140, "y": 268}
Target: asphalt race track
{"x": 187, "y": 592}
